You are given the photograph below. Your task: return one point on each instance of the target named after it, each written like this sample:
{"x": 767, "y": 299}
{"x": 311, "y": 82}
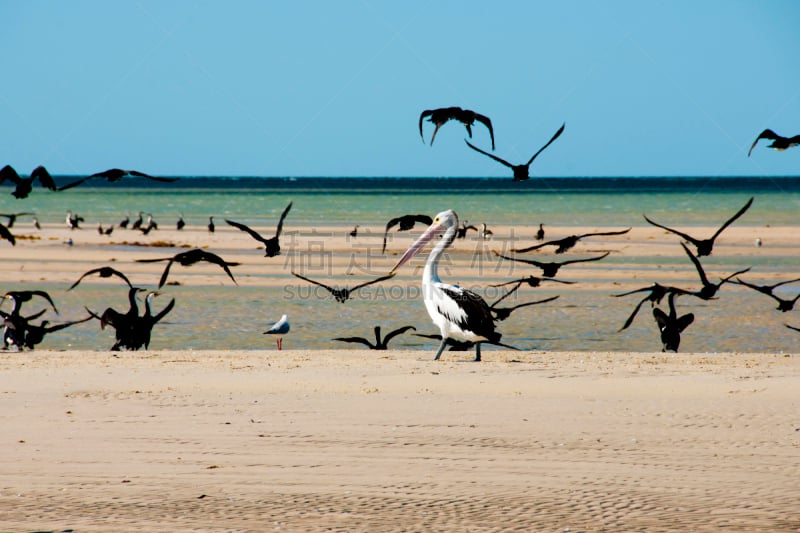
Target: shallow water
{"x": 230, "y": 317}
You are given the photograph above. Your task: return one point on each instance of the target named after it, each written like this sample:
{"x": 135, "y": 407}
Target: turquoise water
{"x": 227, "y": 317}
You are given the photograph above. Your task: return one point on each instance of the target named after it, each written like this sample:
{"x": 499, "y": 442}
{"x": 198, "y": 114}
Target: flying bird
{"x": 189, "y": 258}
{"x": 778, "y": 142}
{"x": 671, "y": 325}
{"x": 550, "y": 269}
{"x": 12, "y": 217}
{"x": 562, "y": 245}
{"x": 24, "y": 186}
{"x": 467, "y": 117}
{"x": 708, "y": 290}
{"x": 116, "y": 174}
{"x": 379, "y": 344}
{"x": 19, "y": 297}
{"x": 279, "y": 328}
{"x": 6, "y": 234}
{"x": 655, "y": 293}
{"x": 406, "y": 222}
{"x": 34, "y": 334}
{"x": 704, "y": 246}
{"x": 521, "y": 172}
{"x": 531, "y": 281}
{"x": 501, "y": 313}
{"x": 103, "y": 272}
{"x": 458, "y": 312}
{"x": 343, "y": 294}
{"x": 272, "y": 246}
{"x": 783, "y": 304}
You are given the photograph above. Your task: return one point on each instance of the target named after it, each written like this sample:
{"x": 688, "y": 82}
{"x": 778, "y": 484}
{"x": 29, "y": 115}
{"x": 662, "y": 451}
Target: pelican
{"x": 458, "y": 313}
{"x": 279, "y": 328}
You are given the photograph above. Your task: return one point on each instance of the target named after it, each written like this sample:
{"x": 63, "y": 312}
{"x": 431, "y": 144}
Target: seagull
{"x": 783, "y": 305}
{"x": 103, "y": 272}
{"x": 778, "y": 142}
{"x": 521, "y": 172}
{"x": 562, "y": 245}
{"x": 467, "y": 117}
{"x": 343, "y": 294}
{"x": 406, "y": 223}
{"x": 671, "y": 326}
{"x": 380, "y": 344}
{"x": 458, "y": 312}
{"x": 550, "y": 269}
{"x": 116, "y": 174}
{"x": 189, "y": 258}
{"x": 279, "y": 328}
{"x": 25, "y": 185}
{"x": 704, "y": 246}
{"x": 272, "y": 246}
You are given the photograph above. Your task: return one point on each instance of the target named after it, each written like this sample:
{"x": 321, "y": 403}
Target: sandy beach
{"x": 361, "y": 441}
{"x": 355, "y": 440}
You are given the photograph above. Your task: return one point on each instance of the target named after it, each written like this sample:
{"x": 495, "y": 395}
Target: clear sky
{"x": 280, "y": 88}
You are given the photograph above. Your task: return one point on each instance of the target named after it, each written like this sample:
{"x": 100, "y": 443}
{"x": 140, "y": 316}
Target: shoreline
{"x": 383, "y": 441}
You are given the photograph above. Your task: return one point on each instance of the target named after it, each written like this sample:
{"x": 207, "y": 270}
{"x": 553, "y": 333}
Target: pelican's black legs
{"x": 441, "y": 349}
{"x": 477, "y": 352}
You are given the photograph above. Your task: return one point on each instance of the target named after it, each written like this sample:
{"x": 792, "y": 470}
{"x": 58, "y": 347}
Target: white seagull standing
{"x": 460, "y": 314}
{"x": 279, "y": 328}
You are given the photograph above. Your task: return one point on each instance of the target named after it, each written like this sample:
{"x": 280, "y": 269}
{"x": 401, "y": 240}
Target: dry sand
{"x": 392, "y": 441}
{"x": 364, "y": 441}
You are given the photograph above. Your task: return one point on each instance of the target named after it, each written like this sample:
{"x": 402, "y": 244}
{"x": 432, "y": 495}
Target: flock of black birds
{"x": 133, "y": 331}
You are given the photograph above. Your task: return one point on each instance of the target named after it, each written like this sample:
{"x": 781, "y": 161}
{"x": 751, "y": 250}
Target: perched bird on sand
{"x": 279, "y": 328}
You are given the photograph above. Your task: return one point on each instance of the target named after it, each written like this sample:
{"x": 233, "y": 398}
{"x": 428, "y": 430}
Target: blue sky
{"x": 679, "y": 87}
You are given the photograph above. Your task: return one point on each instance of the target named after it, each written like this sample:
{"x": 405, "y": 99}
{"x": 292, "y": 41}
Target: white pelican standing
{"x": 279, "y": 328}
{"x": 460, "y": 314}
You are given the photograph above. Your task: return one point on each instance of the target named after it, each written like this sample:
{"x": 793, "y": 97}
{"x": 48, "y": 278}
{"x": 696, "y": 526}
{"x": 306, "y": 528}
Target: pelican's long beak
{"x": 433, "y": 230}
